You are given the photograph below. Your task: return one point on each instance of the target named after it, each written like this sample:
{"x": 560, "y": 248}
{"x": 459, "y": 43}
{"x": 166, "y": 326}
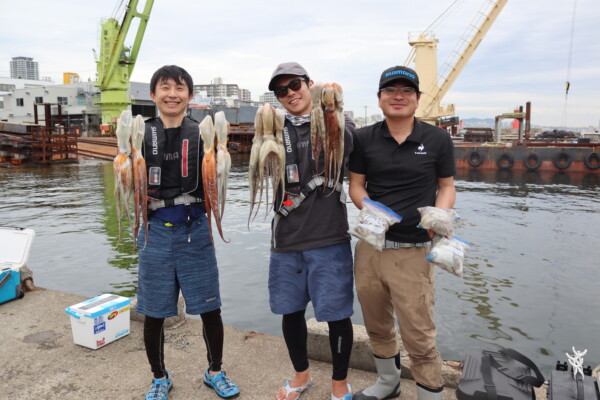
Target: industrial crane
{"x": 424, "y": 55}
{"x": 116, "y": 61}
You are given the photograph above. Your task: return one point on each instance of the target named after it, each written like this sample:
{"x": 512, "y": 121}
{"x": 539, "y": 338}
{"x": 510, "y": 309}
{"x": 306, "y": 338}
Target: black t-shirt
{"x": 321, "y": 219}
{"x": 403, "y": 176}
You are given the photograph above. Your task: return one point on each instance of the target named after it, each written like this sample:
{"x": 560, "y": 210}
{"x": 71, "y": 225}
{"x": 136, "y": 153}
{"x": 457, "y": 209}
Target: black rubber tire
{"x": 474, "y": 159}
{"x": 592, "y": 161}
{"x": 505, "y": 161}
{"x": 562, "y": 160}
{"x": 532, "y": 162}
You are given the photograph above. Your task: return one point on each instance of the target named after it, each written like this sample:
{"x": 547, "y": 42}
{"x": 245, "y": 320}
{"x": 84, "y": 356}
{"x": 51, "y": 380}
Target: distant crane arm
{"x": 116, "y": 54}
{"x": 466, "y": 53}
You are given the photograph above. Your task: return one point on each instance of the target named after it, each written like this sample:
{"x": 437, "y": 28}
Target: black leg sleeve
{"x": 212, "y": 331}
{"x": 295, "y": 334}
{"x": 340, "y": 340}
{"x": 154, "y": 340}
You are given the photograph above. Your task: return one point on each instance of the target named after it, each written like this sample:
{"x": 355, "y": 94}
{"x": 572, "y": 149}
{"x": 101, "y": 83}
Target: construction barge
{"x": 487, "y": 149}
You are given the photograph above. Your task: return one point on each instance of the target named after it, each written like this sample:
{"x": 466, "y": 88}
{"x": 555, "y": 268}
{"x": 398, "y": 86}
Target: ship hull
{"x": 565, "y": 157}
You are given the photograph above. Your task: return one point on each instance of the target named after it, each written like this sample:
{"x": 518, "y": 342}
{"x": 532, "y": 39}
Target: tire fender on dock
{"x": 562, "y": 160}
{"x": 505, "y": 161}
{"x": 532, "y": 162}
{"x": 592, "y": 161}
{"x": 474, "y": 159}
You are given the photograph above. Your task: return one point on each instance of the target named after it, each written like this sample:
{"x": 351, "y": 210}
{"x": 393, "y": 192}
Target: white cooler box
{"x": 97, "y": 322}
{"x": 15, "y": 244}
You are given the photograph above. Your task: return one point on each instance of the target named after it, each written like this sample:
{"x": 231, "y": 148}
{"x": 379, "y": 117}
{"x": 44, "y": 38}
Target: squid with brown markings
{"x": 209, "y": 176}
{"x": 122, "y": 169}
{"x": 140, "y": 179}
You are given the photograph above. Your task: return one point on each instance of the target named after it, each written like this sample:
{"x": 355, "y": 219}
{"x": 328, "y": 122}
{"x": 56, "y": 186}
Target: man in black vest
{"x": 404, "y": 164}
{"x": 311, "y": 258}
{"x": 179, "y": 254}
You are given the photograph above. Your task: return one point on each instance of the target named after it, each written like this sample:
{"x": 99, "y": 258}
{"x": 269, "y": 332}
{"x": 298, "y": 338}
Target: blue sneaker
{"x": 160, "y": 388}
{"x": 224, "y": 387}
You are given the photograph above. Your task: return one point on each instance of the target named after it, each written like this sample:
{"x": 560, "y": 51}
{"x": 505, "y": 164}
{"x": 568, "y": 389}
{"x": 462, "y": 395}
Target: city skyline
{"x": 524, "y": 57}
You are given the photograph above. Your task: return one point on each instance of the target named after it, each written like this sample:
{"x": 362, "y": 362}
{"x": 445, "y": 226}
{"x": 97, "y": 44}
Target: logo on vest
{"x": 421, "y": 148}
{"x": 154, "y": 141}
{"x": 287, "y": 140}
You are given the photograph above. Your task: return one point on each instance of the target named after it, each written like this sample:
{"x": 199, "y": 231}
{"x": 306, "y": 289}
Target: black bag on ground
{"x": 498, "y": 375}
{"x": 562, "y": 385}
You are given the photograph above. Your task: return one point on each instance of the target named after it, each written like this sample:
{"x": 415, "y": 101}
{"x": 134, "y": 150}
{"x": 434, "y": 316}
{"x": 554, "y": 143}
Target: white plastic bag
{"x": 374, "y": 220}
{"x": 448, "y": 252}
{"x": 439, "y": 220}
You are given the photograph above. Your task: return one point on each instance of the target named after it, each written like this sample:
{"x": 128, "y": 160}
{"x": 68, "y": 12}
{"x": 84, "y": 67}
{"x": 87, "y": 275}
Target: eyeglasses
{"x": 392, "y": 90}
{"x": 294, "y": 84}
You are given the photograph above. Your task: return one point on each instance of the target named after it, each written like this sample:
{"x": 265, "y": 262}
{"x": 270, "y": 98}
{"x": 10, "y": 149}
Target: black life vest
{"x": 295, "y": 192}
{"x": 190, "y": 173}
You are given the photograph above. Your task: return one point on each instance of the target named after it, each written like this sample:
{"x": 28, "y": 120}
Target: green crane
{"x": 116, "y": 62}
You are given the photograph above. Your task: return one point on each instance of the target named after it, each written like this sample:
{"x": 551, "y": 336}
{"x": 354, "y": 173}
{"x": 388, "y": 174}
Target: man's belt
{"x": 185, "y": 198}
{"x": 391, "y": 244}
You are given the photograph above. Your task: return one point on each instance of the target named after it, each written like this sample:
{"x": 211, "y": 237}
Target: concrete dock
{"x": 40, "y": 360}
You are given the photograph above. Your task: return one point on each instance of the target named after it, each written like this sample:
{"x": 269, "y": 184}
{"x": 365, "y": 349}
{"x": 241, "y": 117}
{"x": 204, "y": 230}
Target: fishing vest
{"x": 154, "y": 148}
{"x": 295, "y": 192}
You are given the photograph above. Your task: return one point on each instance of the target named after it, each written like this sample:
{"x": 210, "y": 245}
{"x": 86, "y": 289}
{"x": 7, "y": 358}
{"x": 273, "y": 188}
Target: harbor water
{"x": 531, "y": 280}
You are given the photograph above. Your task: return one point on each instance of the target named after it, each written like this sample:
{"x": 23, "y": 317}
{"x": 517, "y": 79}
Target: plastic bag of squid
{"x": 266, "y": 172}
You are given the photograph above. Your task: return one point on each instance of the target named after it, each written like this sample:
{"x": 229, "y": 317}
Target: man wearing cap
{"x": 404, "y": 164}
{"x": 311, "y": 257}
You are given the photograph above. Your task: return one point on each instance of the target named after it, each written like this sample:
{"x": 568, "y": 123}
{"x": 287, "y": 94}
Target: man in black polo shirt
{"x": 404, "y": 164}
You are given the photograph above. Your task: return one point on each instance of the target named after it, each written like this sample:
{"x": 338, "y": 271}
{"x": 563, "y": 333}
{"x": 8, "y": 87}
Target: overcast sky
{"x": 524, "y": 57}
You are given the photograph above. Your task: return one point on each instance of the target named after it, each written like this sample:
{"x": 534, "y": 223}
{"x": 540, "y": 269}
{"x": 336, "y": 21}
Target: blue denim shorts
{"x": 177, "y": 257}
{"x": 323, "y": 276}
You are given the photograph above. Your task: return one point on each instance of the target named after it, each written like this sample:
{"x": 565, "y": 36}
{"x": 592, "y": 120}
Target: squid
{"x": 317, "y": 126}
{"x": 332, "y": 105}
{"x": 122, "y": 168}
{"x": 140, "y": 179}
{"x": 253, "y": 172}
{"x": 271, "y": 161}
{"x": 267, "y": 157}
{"x": 209, "y": 176}
{"x": 223, "y": 159}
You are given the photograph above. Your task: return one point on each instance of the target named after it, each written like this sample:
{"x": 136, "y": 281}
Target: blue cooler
{"x": 14, "y": 253}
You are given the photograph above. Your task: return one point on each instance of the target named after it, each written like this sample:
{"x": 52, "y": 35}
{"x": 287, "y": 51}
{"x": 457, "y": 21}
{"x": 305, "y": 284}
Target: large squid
{"x": 223, "y": 159}
{"x": 254, "y": 176}
{"x": 140, "y": 179}
{"x": 209, "y": 175}
{"x": 267, "y": 156}
{"x": 332, "y": 104}
{"x": 122, "y": 168}
{"x": 317, "y": 126}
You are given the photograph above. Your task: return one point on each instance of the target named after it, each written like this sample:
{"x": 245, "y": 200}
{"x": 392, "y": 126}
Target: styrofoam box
{"x": 99, "y": 321}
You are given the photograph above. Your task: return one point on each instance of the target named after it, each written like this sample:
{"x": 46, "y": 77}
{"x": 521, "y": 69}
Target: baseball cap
{"x": 288, "y": 68}
{"x": 398, "y": 72}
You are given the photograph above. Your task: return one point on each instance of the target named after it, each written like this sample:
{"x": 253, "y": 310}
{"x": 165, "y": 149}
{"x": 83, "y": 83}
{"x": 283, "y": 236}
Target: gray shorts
{"x": 323, "y": 276}
{"x": 177, "y": 258}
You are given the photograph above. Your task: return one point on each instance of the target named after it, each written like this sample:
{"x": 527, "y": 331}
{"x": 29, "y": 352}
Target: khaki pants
{"x": 400, "y": 281}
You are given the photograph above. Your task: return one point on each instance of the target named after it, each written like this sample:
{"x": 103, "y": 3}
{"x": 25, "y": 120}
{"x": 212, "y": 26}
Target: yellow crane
{"x": 424, "y": 55}
{"x": 116, "y": 61}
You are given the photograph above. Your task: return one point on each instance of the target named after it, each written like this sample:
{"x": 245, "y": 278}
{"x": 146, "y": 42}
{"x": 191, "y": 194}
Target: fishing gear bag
{"x": 498, "y": 375}
{"x": 563, "y": 386}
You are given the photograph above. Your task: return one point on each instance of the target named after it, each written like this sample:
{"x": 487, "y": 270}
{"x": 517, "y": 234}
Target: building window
{"x": 6, "y": 87}
{"x": 20, "y": 102}
{"x": 63, "y": 101}
{"x": 80, "y": 100}
{"x": 39, "y": 100}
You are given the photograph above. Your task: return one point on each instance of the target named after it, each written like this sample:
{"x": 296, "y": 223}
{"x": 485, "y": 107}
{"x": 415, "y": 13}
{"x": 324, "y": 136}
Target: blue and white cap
{"x": 399, "y": 73}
